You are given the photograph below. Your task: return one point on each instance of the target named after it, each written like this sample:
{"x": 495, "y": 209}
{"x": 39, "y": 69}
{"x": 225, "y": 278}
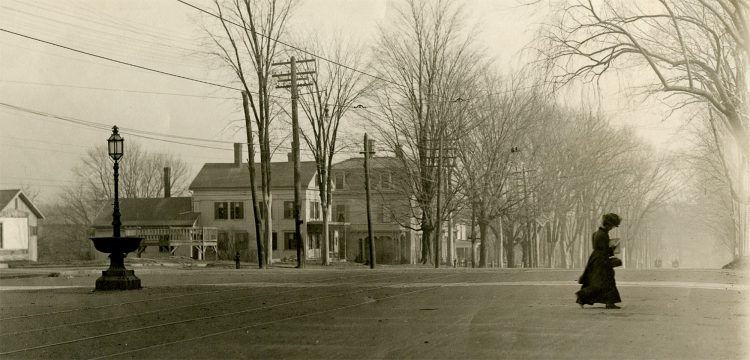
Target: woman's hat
{"x": 611, "y": 219}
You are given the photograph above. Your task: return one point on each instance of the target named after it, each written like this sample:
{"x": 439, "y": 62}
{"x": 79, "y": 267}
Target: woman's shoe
{"x": 579, "y": 303}
{"x": 612, "y": 306}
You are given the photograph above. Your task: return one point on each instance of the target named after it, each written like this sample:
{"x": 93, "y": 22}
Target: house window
{"x": 385, "y": 214}
{"x": 274, "y": 242}
{"x": 341, "y": 213}
{"x": 241, "y": 240}
{"x": 385, "y": 180}
{"x": 340, "y": 180}
{"x": 289, "y": 242}
{"x": 222, "y": 241}
{"x": 220, "y": 210}
{"x": 314, "y": 210}
{"x": 237, "y": 210}
{"x": 288, "y": 209}
{"x": 1, "y": 235}
{"x": 33, "y": 230}
{"x": 313, "y": 241}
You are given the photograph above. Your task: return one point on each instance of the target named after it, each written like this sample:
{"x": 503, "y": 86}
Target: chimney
{"x": 290, "y": 156}
{"x": 167, "y": 182}
{"x": 237, "y": 154}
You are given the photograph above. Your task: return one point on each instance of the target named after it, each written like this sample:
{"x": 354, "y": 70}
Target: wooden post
{"x": 439, "y": 228}
{"x": 295, "y": 154}
{"x": 292, "y": 78}
{"x": 371, "y": 240}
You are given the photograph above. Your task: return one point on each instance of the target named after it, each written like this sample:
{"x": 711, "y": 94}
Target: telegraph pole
{"x": 291, "y": 78}
{"x": 371, "y": 240}
{"x": 439, "y": 232}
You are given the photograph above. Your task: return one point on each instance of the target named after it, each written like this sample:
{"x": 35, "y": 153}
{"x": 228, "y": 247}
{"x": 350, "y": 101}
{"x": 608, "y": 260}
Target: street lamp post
{"x": 117, "y": 277}
{"x": 115, "y": 149}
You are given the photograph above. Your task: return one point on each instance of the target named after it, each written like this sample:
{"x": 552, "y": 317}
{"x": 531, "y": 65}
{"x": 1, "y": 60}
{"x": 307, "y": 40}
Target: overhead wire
{"x": 289, "y": 45}
{"x": 118, "y": 90}
{"x": 120, "y": 61}
{"x": 89, "y": 30}
{"x": 94, "y": 41}
{"x": 151, "y": 135}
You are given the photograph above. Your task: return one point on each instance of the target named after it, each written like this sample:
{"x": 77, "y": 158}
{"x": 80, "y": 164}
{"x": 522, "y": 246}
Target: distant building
{"x": 18, "y": 226}
{"x": 222, "y": 197}
{"x": 391, "y": 211}
{"x": 168, "y": 225}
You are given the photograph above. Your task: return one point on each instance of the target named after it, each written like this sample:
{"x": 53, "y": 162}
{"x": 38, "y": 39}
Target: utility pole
{"x": 371, "y": 240}
{"x": 289, "y": 80}
{"x": 532, "y": 250}
{"x": 438, "y": 233}
{"x": 440, "y": 164}
{"x": 529, "y": 238}
{"x": 473, "y": 236}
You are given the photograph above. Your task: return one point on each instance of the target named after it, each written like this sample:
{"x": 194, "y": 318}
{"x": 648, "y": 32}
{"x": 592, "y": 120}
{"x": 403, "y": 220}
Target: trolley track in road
{"x": 51, "y": 313}
{"x": 232, "y": 313}
{"x": 222, "y": 300}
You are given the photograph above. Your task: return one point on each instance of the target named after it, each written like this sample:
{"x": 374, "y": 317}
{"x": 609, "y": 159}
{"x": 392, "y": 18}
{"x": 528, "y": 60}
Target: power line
{"x": 120, "y": 62}
{"x": 50, "y": 8}
{"x": 290, "y": 45}
{"x": 117, "y": 90}
{"x": 134, "y": 132}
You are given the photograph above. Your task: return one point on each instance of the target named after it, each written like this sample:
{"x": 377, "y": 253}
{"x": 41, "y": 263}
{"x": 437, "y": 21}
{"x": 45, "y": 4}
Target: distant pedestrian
{"x": 237, "y": 260}
{"x": 598, "y": 279}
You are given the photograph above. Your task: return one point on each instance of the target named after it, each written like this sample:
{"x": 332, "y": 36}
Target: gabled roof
{"x": 6, "y": 196}
{"x": 175, "y": 211}
{"x": 357, "y": 163}
{"x": 233, "y": 176}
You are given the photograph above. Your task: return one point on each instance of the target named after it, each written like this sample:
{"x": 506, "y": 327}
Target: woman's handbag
{"x": 615, "y": 261}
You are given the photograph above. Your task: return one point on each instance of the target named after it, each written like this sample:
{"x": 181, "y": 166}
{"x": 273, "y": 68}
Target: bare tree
{"x": 697, "y": 51}
{"x": 247, "y": 44}
{"x": 140, "y": 177}
{"x": 499, "y": 121}
{"x": 426, "y": 57}
{"x": 334, "y": 90}
{"x": 140, "y": 174}
{"x": 709, "y": 188}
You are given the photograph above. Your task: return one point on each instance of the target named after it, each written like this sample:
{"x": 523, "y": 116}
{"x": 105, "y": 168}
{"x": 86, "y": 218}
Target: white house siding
{"x": 203, "y": 202}
{"x": 15, "y": 233}
{"x": 19, "y": 232}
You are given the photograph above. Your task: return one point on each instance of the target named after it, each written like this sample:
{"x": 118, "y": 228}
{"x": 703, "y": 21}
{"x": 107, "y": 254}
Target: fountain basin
{"x": 110, "y": 244}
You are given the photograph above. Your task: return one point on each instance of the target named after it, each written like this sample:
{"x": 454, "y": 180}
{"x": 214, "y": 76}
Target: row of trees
{"x": 535, "y": 174}
{"x": 437, "y": 97}
{"x": 499, "y": 151}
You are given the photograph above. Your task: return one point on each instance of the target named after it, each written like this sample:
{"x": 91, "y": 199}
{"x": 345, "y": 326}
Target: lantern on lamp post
{"x": 115, "y": 149}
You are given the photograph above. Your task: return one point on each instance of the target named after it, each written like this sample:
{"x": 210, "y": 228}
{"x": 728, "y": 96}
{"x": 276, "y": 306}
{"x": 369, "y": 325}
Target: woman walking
{"x": 598, "y": 279}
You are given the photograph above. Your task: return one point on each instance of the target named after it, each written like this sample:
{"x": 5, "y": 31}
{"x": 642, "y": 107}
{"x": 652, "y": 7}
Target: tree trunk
{"x": 426, "y": 245}
{"x": 511, "y": 252}
{"x": 325, "y": 256}
{"x": 483, "y": 243}
{"x": 251, "y": 168}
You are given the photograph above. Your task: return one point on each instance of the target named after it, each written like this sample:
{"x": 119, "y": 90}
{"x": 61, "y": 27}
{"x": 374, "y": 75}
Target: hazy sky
{"x": 40, "y": 151}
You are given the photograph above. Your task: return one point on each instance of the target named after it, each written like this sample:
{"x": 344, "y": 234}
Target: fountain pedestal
{"x": 117, "y": 277}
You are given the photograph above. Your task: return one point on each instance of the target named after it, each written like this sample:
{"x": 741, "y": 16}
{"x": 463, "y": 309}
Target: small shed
{"x": 19, "y": 219}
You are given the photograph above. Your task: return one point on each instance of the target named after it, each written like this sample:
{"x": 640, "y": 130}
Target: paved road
{"x": 382, "y": 314}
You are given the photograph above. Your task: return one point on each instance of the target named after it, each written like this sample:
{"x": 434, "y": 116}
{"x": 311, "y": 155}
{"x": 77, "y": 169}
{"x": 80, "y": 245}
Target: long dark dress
{"x": 598, "y": 279}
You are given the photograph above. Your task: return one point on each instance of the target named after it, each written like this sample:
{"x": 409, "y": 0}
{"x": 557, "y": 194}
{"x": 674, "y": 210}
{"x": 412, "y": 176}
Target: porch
{"x": 337, "y": 234}
{"x": 198, "y": 239}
